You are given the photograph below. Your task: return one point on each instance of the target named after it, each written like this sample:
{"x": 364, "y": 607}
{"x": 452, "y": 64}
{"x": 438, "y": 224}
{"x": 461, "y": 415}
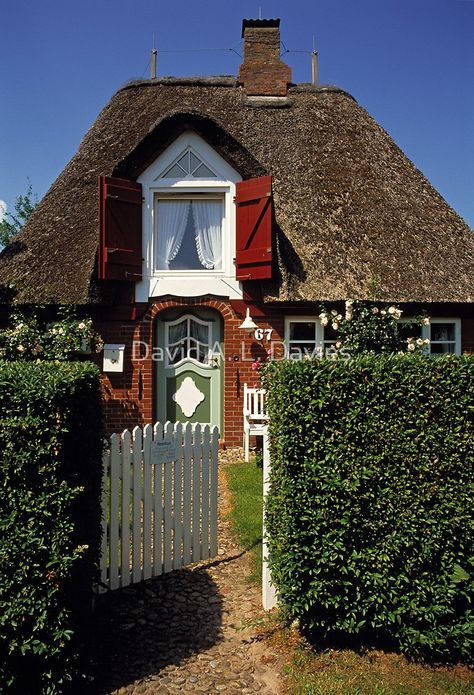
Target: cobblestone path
{"x": 191, "y": 631}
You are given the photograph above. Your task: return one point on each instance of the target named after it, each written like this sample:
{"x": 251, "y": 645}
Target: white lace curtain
{"x": 208, "y": 230}
{"x": 172, "y": 220}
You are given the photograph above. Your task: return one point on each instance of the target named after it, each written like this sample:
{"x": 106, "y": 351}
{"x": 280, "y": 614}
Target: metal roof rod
{"x": 153, "y": 60}
{"x": 314, "y": 65}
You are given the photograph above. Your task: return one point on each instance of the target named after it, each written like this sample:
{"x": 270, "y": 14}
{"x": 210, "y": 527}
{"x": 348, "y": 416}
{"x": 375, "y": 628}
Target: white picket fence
{"x": 159, "y": 501}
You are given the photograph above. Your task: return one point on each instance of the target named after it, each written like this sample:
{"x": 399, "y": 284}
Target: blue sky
{"x": 410, "y": 63}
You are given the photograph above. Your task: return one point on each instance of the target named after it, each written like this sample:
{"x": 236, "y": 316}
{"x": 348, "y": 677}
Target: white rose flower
{"x": 334, "y": 312}
{"x": 411, "y": 347}
{"x": 375, "y": 310}
{"x": 339, "y": 317}
{"x": 339, "y": 345}
{"x": 323, "y": 315}
{"x": 426, "y": 341}
{"x": 420, "y": 342}
{"x": 324, "y": 321}
{"x": 335, "y": 325}
{"x": 81, "y": 326}
{"x": 383, "y": 312}
{"x": 425, "y": 321}
{"x": 348, "y": 314}
{"x": 349, "y": 303}
{"x": 60, "y": 331}
{"x": 20, "y": 348}
{"x": 392, "y": 310}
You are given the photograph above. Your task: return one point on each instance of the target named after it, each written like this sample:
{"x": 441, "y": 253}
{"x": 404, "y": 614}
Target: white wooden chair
{"x": 255, "y": 418}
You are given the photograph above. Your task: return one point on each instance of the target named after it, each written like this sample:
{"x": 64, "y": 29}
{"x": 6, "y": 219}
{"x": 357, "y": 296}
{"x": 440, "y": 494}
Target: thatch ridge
{"x": 352, "y": 212}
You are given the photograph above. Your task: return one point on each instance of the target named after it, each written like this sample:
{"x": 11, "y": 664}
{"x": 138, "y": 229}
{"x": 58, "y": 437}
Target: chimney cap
{"x": 260, "y": 24}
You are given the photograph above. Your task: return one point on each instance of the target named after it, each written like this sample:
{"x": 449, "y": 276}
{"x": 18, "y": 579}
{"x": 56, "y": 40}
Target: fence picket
{"x": 125, "y": 519}
{"x": 196, "y": 531}
{"x": 147, "y": 501}
{"x": 213, "y": 465}
{"x": 168, "y": 509}
{"x": 205, "y": 493}
{"x": 158, "y": 509}
{"x": 178, "y": 499}
{"x": 187, "y": 458}
{"x": 115, "y": 466}
{"x": 137, "y": 506}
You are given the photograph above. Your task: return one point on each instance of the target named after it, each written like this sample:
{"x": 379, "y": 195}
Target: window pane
{"x": 442, "y": 348}
{"x": 184, "y": 162}
{"x": 175, "y": 172}
{"x": 194, "y": 162}
{"x": 177, "y": 332}
{"x": 443, "y": 331}
{"x": 301, "y": 350}
{"x": 302, "y": 330}
{"x": 199, "y": 332}
{"x": 204, "y": 172}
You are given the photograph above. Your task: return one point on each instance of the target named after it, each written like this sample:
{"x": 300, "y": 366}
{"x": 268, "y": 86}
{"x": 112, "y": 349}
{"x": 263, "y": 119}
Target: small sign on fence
{"x": 164, "y": 451}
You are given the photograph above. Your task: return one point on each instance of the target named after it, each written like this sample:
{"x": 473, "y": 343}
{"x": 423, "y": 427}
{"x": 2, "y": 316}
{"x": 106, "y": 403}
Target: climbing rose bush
{"x": 366, "y": 328}
{"x": 30, "y": 338}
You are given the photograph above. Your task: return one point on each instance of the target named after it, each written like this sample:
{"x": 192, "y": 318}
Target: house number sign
{"x": 164, "y": 451}
{"x": 261, "y": 333}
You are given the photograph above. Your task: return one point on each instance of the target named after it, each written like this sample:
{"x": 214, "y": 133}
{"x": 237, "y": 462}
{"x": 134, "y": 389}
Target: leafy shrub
{"x": 370, "y": 514}
{"x": 31, "y": 337}
{"x": 50, "y": 454}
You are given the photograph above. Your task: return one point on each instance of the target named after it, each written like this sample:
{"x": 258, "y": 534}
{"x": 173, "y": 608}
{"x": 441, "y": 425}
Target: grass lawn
{"x": 334, "y": 671}
{"x": 245, "y": 484}
{"x": 344, "y": 672}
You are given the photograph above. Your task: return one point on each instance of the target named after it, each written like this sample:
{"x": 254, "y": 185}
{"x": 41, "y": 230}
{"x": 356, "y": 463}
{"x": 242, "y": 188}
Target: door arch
{"x": 189, "y": 366}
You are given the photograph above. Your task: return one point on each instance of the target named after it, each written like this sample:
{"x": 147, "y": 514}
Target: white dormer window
{"x": 189, "y": 222}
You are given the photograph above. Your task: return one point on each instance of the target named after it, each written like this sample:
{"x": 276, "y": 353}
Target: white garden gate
{"x": 159, "y": 501}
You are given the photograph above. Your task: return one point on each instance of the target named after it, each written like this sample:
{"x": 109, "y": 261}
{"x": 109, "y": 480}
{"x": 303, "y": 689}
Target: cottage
{"x": 191, "y": 200}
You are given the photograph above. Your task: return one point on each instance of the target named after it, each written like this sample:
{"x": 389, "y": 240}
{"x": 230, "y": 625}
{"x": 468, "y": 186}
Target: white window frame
{"x": 320, "y": 342}
{"x": 183, "y": 282}
{"x": 426, "y": 333}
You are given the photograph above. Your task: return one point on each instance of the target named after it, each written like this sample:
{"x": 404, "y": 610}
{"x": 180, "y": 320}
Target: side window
{"x": 305, "y": 337}
{"x": 444, "y": 335}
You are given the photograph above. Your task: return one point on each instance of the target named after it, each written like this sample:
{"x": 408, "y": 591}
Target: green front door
{"x": 189, "y": 367}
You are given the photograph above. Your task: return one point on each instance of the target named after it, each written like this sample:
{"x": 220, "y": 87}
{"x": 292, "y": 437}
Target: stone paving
{"x": 196, "y": 630}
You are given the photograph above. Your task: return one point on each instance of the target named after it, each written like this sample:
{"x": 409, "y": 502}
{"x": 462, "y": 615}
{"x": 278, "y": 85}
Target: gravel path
{"x": 191, "y": 631}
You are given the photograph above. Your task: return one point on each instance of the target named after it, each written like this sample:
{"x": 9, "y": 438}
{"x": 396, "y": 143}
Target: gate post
{"x": 269, "y": 596}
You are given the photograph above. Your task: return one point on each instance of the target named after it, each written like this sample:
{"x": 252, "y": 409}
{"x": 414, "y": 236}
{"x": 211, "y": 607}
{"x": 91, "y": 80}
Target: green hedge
{"x": 370, "y": 513}
{"x": 50, "y": 458}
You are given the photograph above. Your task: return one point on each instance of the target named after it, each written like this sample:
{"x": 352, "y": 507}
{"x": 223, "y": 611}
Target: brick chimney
{"x": 263, "y": 73}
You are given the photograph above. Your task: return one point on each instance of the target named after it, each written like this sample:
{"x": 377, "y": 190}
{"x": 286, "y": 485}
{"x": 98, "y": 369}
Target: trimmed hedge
{"x": 50, "y": 459}
{"x": 370, "y": 512}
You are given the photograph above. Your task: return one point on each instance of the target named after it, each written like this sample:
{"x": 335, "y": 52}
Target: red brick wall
{"x": 467, "y": 336}
{"x": 128, "y": 396}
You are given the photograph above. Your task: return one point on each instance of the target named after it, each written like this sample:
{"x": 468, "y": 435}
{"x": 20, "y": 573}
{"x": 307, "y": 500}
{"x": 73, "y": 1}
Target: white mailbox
{"x": 113, "y": 357}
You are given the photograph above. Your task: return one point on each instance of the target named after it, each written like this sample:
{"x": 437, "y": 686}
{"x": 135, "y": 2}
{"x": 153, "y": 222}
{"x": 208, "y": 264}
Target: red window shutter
{"x": 120, "y": 229}
{"x": 253, "y": 258}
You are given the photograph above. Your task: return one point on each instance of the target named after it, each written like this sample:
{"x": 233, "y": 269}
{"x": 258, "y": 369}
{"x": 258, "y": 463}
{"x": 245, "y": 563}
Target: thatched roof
{"x": 352, "y": 212}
